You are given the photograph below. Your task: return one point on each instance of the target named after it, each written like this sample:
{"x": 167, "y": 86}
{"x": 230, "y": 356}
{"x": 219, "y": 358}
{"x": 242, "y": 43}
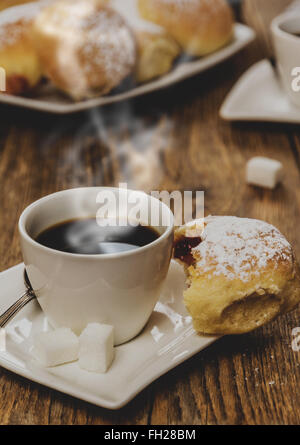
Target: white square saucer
{"x": 258, "y": 96}
{"x": 168, "y": 340}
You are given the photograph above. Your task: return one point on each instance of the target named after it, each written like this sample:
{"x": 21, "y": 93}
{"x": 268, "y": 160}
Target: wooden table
{"x": 247, "y": 379}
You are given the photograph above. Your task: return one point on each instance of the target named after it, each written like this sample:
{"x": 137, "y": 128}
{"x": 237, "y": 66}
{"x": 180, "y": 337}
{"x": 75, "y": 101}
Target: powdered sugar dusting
{"x": 91, "y": 39}
{"x": 18, "y": 16}
{"x": 239, "y": 247}
{"x": 110, "y": 41}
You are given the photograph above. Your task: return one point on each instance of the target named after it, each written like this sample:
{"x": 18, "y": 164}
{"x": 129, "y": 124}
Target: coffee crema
{"x": 85, "y": 236}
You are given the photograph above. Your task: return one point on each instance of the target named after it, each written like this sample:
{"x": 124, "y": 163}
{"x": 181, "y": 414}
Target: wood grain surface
{"x": 170, "y": 140}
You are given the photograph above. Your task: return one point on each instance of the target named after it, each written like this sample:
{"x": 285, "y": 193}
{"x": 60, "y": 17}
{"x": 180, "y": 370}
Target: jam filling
{"x": 183, "y": 248}
{"x": 16, "y": 84}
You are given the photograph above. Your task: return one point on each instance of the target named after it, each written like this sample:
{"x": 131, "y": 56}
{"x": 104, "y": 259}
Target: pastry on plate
{"x": 18, "y": 58}
{"x": 241, "y": 273}
{"x": 86, "y": 49}
{"x": 199, "y": 26}
{"x": 157, "y": 50}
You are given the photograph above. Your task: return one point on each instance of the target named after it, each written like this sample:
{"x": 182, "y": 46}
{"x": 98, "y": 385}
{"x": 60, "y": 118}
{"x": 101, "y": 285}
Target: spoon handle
{"x": 15, "y": 308}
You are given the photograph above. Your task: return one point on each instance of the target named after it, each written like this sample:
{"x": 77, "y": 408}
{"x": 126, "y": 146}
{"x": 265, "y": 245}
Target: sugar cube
{"x": 264, "y": 172}
{"x": 56, "y": 347}
{"x": 96, "y": 347}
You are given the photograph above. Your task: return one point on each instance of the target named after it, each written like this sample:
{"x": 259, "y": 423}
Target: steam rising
{"x": 109, "y": 145}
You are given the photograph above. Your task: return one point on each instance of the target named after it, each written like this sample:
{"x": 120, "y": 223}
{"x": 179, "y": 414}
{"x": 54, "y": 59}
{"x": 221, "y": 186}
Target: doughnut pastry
{"x": 199, "y": 26}
{"x": 241, "y": 274}
{"x": 157, "y": 50}
{"x": 17, "y": 55}
{"x": 156, "y": 55}
{"x": 86, "y": 49}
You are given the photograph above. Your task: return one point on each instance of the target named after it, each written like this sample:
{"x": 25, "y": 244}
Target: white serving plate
{"x": 259, "y": 96}
{"x": 167, "y": 340}
{"x": 49, "y": 100}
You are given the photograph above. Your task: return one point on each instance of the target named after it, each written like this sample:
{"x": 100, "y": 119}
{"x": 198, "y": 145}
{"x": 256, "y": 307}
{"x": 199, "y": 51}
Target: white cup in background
{"x": 287, "y": 52}
{"x": 73, "y": 290}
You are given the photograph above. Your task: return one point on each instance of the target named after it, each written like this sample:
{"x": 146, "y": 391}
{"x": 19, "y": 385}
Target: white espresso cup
{"x": 120, "y": 289}
{"x": 287, "y": 52}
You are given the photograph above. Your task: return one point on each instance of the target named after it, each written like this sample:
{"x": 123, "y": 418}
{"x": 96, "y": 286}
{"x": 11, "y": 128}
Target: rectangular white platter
{"x": 48, "y": 100}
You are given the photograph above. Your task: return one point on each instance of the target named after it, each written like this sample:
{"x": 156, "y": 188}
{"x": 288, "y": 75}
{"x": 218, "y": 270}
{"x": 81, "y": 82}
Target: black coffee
{"x": 85, "y": 236}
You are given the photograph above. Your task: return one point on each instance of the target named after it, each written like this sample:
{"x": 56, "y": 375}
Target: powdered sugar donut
{"x": 86, "y": 49}
{"x": 199, "y": 26}
{"x": 17, "y": 55}
{"x": 241, "y": 274}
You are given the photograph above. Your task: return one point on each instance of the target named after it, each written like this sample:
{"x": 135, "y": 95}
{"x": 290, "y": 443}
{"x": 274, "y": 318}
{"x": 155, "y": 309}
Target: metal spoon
{"x": 18, "y": 305}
